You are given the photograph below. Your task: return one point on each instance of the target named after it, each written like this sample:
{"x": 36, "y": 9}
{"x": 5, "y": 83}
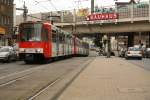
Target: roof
{"x": 125, "y": 3}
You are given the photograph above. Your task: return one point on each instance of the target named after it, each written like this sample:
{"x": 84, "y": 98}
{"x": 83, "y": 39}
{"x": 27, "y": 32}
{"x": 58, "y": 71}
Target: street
{"x": 144, "y": 63}
{"x": 74, "y": 50}
{"x": 19, "y": 81}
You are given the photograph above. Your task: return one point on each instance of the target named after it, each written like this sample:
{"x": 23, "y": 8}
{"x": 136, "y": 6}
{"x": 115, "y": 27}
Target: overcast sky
{"x": 35, "y": 6}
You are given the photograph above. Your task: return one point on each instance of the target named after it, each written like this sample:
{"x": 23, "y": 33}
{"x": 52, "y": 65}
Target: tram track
{"x": 44, "y": 88}
{"x": 13, "y": 80}
{"x": 10, "y": 78}
{"x": 34, "y": 82}
{"x": 10, "y": 69}
{"x": 71, "y": 78}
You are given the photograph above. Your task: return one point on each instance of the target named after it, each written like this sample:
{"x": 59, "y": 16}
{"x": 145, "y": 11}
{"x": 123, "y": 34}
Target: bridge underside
{"x": 130, "y": 33}
{"x": 123, "y": 27}
{"x": 136, "y": 32}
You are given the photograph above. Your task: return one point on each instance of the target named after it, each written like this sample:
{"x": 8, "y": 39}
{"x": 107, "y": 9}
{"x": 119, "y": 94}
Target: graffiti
{"x": 104, "y": 10}
{"x": 82, "y": 12}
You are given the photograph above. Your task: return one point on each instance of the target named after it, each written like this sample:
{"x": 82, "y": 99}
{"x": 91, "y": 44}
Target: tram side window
{"x": 65, "y": 38}
{"x": 45, "y": 35}
{"x": 68, "y": 40}
{"x": 61, "y": 38}
{"x": 54, "y": 37}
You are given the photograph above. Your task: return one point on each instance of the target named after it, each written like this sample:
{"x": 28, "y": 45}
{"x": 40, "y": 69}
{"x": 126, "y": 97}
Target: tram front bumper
{"x": 29, "y": 57}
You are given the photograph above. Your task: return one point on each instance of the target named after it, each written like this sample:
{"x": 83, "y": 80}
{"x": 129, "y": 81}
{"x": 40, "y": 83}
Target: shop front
{"x": 2, "y": 36}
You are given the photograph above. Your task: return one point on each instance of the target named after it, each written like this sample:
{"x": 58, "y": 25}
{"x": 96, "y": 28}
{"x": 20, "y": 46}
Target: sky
{"x": 37, "y": 6}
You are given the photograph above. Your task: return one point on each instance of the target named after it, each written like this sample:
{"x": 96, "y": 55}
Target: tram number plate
{"x": 30, "y": 50}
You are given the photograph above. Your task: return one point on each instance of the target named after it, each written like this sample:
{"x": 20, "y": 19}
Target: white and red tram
{"x": 41, "y": 41}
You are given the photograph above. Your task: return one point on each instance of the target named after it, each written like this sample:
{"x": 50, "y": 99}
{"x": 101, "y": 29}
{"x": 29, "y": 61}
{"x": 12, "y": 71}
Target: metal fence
{"x": 129, "y": 12}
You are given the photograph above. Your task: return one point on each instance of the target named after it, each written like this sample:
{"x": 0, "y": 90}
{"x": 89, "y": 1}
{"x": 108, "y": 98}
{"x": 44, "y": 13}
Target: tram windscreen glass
{"x": 30, "y": 32}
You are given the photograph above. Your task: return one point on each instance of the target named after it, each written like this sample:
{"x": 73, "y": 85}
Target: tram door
{"x": 57, "y": 42}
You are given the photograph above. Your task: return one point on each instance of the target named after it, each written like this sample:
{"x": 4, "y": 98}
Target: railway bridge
{"x": 133, "y": 22}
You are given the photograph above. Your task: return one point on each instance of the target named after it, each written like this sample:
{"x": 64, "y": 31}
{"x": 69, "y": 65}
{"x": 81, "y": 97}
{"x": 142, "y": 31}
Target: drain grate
{"x": 131, "y": 90}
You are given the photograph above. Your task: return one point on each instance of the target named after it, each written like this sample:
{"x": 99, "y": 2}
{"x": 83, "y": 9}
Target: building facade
{"x": 6, "y": 21}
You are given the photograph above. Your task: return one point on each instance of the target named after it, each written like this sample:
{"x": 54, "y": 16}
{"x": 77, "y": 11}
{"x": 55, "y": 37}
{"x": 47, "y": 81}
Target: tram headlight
{"x": 39, "y": 50}
{"x": 21, "y": 50}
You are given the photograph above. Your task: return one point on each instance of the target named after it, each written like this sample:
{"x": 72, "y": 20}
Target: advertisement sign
{"x": 105, "y": 16}
{"x": 82, "y": 12}
{"x": 2, "y": 30}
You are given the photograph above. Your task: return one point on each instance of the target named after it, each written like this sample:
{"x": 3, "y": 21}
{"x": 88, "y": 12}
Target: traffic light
{"x": 10, "y": 42}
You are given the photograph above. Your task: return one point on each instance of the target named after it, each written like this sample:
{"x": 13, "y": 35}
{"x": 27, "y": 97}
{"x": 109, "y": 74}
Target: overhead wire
{"x": 34, "y": 16}
{"x": 38, "y": 2}
{"x": 52, "y": 5}
{"x": 76, "y": 6}
{"x": 79, "y": 3}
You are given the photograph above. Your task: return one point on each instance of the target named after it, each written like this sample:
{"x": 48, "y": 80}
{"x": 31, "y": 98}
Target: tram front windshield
{"x": 30, "y": 32}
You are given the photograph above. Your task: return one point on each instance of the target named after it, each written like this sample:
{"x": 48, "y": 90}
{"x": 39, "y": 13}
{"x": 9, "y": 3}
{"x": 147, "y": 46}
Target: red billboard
{"x": 105, "y": 16}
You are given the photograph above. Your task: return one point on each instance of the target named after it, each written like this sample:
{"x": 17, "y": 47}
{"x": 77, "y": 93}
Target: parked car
{"x": 133, "y": 52}
{"x": 7, "y": 54}
{"x": 122, "y": 52}
{"x": 147, "y": 53}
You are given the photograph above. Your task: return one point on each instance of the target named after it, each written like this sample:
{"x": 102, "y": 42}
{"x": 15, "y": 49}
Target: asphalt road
{"x": 12, "y": 67}
{"x": 144, "y": 63}
{"x": 19, "y": 81}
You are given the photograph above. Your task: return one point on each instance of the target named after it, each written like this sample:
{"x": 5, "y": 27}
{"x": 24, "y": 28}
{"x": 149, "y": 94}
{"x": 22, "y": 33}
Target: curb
{"x": 54, "y": 92}
{"x": 83, "y": 67}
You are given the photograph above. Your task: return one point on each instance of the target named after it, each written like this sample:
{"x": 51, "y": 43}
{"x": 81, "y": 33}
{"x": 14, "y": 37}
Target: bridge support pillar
{"x": 130, "y": 39}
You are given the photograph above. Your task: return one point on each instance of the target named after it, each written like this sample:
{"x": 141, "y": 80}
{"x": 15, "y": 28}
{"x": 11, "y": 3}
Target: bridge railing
{"x": 140, "y": 10}
{"x": 129, "y": 12}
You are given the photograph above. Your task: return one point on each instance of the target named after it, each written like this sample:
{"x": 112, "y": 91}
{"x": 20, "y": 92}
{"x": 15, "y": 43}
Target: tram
{"x": 41, "y": 41}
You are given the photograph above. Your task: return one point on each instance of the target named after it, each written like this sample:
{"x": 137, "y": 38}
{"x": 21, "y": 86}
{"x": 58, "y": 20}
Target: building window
{"x": 0, "y": 20}
{"x": 8, "y": 20}
{"x": 9, "y": 2}
{"x": 5, "y": 20}
{"x": 1, "y": 1}
{"x": 4, "y": 1}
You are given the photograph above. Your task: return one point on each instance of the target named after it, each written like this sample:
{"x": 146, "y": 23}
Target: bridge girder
{"x": 142, "y": 26}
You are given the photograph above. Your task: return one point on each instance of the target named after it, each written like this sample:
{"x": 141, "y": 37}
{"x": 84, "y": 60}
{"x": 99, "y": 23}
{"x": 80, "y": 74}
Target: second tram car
{"x": 41, "y": 41}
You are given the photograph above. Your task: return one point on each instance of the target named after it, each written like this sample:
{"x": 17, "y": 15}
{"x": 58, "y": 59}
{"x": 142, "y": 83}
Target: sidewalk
{"x": 110, "y": 79}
